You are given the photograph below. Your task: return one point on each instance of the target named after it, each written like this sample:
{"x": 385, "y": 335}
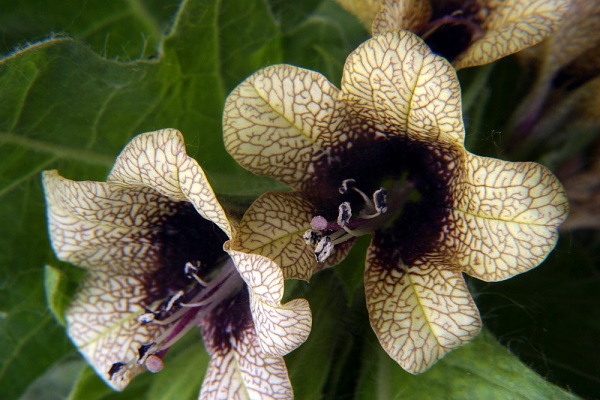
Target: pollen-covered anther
{"x": 323, "y": 249}
{"x": 380, "y": 200}
{"x": 312, "y": 237}
{"x": 344, "y": 214}
{"x": 379, "y": 204}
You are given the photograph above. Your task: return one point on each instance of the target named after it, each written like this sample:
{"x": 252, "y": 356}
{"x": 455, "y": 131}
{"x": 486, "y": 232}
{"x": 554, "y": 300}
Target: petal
{"x": 280, "y": 328}
{"x": 223, "y": 379}
{"x": 364, "y": 10}
{"x": 281, "y": 120}
{"x": 511, "y": 27}
{"x": 419, "y": 313}
{"x": 102, "y": 323}
{"x": 573, "y": 46}
{"x": 96, "y": 226}
{"x": 244, "y": 372}
{"x": 505, "y": 217}
{"x": 158, "y": 160}
{"x": 274, "y": 226}
{"x": 408, "y": 15}
{"x": 397, "y": 83}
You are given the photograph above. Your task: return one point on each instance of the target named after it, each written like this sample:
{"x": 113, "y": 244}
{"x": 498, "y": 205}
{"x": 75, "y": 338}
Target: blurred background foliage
{"x": 79, "y": 79}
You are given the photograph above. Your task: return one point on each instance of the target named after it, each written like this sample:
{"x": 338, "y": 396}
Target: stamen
{"x": 380, "y": 200}
{"x": 346, "y": 184}
{"x": 145, "y": 351}
{"x": 146, "y": 318}
{"x": 117, "y": 370}
{"x": 191, "y": 314}
{"x": 312, "y": 237}
{"x": 191, "y": 270}
{"x": 350, "y": 184}
{"x": 344, "y": 214}
{"x": 324, "y": 249}
{"x": 173, "y": 300}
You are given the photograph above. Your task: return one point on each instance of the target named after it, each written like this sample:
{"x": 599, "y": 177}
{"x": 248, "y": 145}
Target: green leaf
{"x": 116, "y": 29}
{"x": 313, "y": 366}
{"x": 482, "y": 369}
{"x": 56, "y": 383}
{"x": 63, "y": 106}
{"x": 54, "y": 288}
{"x": 60, "y": 287}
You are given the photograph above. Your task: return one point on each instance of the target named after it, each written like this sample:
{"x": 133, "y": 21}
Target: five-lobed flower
{"x": 385, "y": 156}
{"x": 467, "y": 32}
{"x": 154, "y": 240}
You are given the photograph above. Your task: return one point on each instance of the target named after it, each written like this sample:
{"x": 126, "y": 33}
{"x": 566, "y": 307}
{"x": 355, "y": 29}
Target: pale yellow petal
{"x": 363, "y": 10}
{"x": 280, "y": 328}
{"x": 102, "y": 323}
{"x": 94, "y": 225}
{"x": 223, "y": 379}
{"x": 397, "y": 84}
{"x": 280, "y": 121}
{"x": 158, "y": 160}
{"x": 419, "y": 313}
{"x": 274, "y": 226}
{"x": 395, "y": 15}
{"x": 577, "y": 35}
{"x": 244, "y": 372}
{"x": 512, "y": 26}
{"x": 504, "y": 219}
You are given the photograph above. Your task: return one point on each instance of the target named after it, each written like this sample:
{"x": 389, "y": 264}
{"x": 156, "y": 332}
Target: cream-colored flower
{"x": 385, "y": 156}
{"x": 152, "y": 240}
{"x": 567, "y": 64}
{"x": 364, "y": 10}
{"x": 469, "y": 32}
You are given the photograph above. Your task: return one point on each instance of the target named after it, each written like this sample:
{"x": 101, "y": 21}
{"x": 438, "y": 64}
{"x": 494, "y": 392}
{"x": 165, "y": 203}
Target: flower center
{"x": 376, "y": 211}
{"x": 180, "y": 312}
{"x": 454, "y": 26}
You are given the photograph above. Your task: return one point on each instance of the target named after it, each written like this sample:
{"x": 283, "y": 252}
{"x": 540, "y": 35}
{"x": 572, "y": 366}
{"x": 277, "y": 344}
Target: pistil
{"x": 325, "y": 235}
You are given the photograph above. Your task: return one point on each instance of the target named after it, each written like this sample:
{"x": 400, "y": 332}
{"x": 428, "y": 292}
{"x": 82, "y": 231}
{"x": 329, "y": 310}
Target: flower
{"x": 152, "y": 240}
{"x": 385, "y": 156}
{"x": 567, "y": 64}
{"x": 471, "y": 32}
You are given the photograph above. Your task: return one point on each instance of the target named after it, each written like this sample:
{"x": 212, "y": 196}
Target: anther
{"x": 323, "y": 249}
{"x": 346, "y": 184}
{"x": 145, "y": 351}
{"x": 146, "y": 318}
{"x": 117, "y": 370}
{"x": 344, "y": 214}
{"x": 191, "y": 270}
{"x": 312, "y": 237}
{"x": 380, "y": 200}
{"x": 173, "y": 301}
